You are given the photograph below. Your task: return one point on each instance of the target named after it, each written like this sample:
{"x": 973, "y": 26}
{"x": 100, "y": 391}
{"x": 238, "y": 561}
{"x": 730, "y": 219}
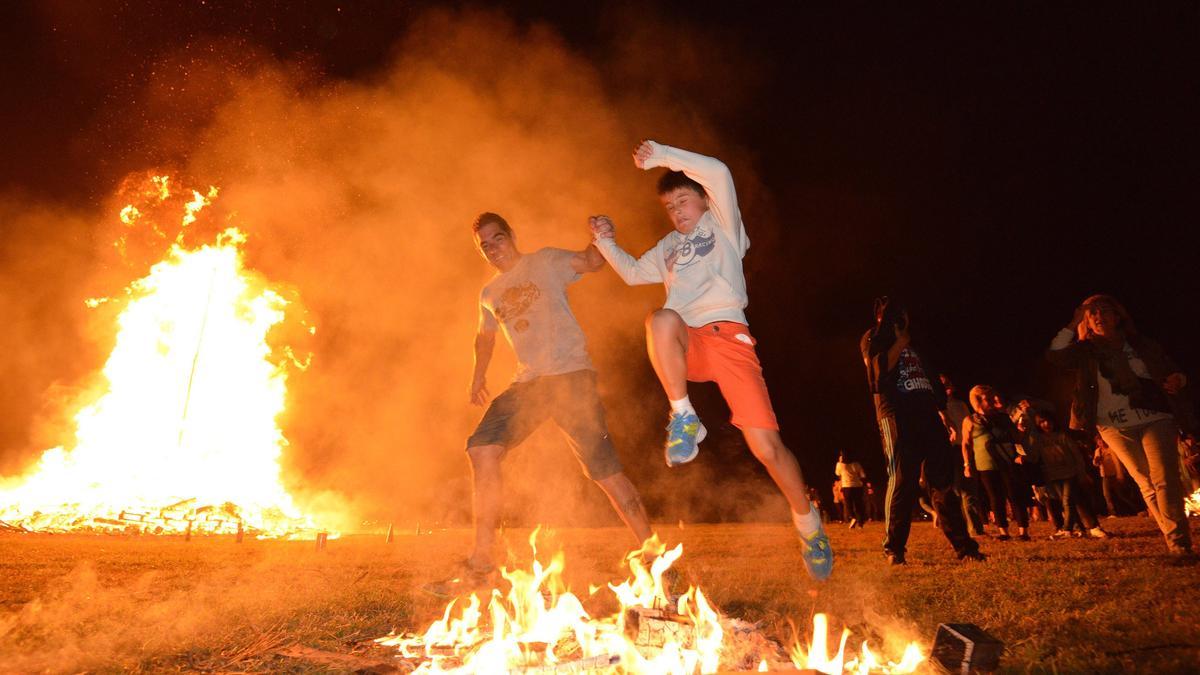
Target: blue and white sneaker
{"x": 817, "y": 554}
{"x": 684, "y": 433}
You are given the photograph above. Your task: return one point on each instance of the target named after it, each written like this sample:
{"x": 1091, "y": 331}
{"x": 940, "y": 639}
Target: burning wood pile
{"x": 538, "y": 626}
{"x": 186, "y": 517}
{"x": 182, "y": 437}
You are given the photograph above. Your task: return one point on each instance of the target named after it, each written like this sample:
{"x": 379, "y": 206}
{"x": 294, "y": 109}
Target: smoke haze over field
{"x": 359, "y": 194}
{"x": 992, "y": 165}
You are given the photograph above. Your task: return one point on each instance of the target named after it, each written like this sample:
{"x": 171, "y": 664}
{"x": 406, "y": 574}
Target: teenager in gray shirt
{"x": 527, "y": 300}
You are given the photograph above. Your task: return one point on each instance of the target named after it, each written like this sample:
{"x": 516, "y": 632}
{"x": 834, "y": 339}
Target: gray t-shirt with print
{"x": 529, "y": 302}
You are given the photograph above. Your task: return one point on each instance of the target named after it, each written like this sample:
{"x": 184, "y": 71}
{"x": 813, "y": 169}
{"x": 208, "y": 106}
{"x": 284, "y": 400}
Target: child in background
{"x": 1062, "y": 464}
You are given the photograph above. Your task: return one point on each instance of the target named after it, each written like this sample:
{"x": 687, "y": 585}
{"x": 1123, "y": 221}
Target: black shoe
{"x": 896, "y": 559}
{"x": 1003, "y": 536}
{"x": 972, "y": 556}
{"x": 1023, "y": 537}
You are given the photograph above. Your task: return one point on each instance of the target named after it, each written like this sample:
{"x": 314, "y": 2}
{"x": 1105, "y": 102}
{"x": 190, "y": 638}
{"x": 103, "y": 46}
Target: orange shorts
{"x": 723, "y": 352}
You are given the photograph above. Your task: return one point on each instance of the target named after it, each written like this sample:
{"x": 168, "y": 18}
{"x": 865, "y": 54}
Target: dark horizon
{"x": 992, "y": 166}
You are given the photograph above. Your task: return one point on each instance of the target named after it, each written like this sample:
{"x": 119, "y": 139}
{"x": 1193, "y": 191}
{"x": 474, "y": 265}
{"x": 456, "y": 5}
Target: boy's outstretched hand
{"x": 602, "y": 227}
{"x": 643, "y": 153}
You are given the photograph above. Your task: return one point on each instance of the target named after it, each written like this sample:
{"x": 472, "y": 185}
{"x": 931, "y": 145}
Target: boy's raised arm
{"x": 709, "y": 172}
{"x": 632, "y": 271}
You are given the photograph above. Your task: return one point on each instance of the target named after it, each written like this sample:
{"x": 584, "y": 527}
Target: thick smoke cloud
{"x": 359, "y": 195}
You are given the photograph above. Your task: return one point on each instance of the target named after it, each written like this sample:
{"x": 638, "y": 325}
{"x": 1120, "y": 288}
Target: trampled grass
{"x": 71, "y": 603}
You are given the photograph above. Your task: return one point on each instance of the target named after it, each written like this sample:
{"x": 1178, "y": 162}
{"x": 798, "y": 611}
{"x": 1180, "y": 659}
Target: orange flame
{"x": 538, "y": 627}
{"x": 184, "y": 436}
{"x": 817, "y": 657}
{"x": 1191, "y": 504}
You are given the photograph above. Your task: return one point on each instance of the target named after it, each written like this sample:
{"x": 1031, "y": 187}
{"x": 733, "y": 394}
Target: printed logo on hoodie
{"x": 692, "y": 249}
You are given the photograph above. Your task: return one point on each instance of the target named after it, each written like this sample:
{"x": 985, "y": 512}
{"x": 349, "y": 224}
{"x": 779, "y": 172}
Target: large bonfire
{"x": 183, "y": 434}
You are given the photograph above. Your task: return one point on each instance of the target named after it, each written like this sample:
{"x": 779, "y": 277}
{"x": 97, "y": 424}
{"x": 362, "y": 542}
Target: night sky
{"x": 992, "y": 164}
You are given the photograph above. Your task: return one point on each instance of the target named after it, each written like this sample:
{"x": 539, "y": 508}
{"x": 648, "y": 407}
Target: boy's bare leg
{"x": 485, "y": 473}
{"x": 666, "y": 342}
{"x": 768, "y": 447}
{"x": 625, "y": 500}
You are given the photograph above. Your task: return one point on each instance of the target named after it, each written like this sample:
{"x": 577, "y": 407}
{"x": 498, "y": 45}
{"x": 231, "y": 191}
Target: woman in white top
{"x": 1131, "y": 391}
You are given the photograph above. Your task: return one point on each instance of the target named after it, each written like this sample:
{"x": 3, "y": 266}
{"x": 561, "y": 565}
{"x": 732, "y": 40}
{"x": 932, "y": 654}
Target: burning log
{"x": 134, "y": 516}
{"x": 390, "y": 535}
{"x": 9, "y": 527}
{"x": 654, "y": 628}
{"x": 322, "y": 538}
{"x": 108, "y": 521}
{"x": 585, "y": 665}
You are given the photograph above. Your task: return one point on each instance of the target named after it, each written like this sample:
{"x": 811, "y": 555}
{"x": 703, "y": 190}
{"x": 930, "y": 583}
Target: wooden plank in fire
{"x": 134, "y": 517}
{"x": 653, "y": 627}
{"x": 583, "y": 665}
{"x": 100, "y": 520}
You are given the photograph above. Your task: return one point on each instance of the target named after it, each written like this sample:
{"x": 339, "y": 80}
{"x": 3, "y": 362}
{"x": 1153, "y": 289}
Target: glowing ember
{"x": 184, "y": 435}
{"x": 1191, "y": 504}
{"x": 539, "y": 627}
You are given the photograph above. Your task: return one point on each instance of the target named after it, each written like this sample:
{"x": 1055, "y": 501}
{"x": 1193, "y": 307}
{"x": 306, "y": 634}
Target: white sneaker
{"x": 1099, "y": 533}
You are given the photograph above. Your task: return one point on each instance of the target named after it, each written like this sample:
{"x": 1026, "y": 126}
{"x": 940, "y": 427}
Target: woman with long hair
{"x": 1133, "y": 393}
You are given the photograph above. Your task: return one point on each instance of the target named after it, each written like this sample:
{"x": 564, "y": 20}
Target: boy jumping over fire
{"x": 527, "y": 299}
{"x": 700, "y": 334}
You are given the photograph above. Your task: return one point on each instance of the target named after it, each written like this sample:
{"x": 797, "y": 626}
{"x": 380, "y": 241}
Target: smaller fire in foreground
{"x": 1192, "y": 504}
{"x": 541, "y": 627}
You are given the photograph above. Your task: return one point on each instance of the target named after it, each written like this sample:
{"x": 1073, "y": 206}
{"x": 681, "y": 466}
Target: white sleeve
{"x": 712, "y": 174}
{"x": 644, "y": 270}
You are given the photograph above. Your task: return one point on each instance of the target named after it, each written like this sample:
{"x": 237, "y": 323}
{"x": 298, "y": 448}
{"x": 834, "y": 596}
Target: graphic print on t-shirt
{"x": 911, "y": 375}
{"x": 1116, "y": 410}
{"x": 692, "y": 249}
{"x": 515, "y": 301}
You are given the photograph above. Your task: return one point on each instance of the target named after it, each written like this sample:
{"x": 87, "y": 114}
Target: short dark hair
{"x": 673, "y": 180}
{"x": 488, "y": 217}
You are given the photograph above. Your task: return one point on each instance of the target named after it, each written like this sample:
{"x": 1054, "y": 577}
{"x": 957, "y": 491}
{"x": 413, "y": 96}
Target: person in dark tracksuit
{"x": 909, "y": 409}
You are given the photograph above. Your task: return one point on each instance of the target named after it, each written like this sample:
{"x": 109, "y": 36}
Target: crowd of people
{"x": 1130, "y": 447}
{"x": 1130, "y": 398}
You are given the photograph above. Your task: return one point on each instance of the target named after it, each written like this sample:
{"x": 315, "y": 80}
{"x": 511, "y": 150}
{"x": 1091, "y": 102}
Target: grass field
{"x": 72, "y": 603}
